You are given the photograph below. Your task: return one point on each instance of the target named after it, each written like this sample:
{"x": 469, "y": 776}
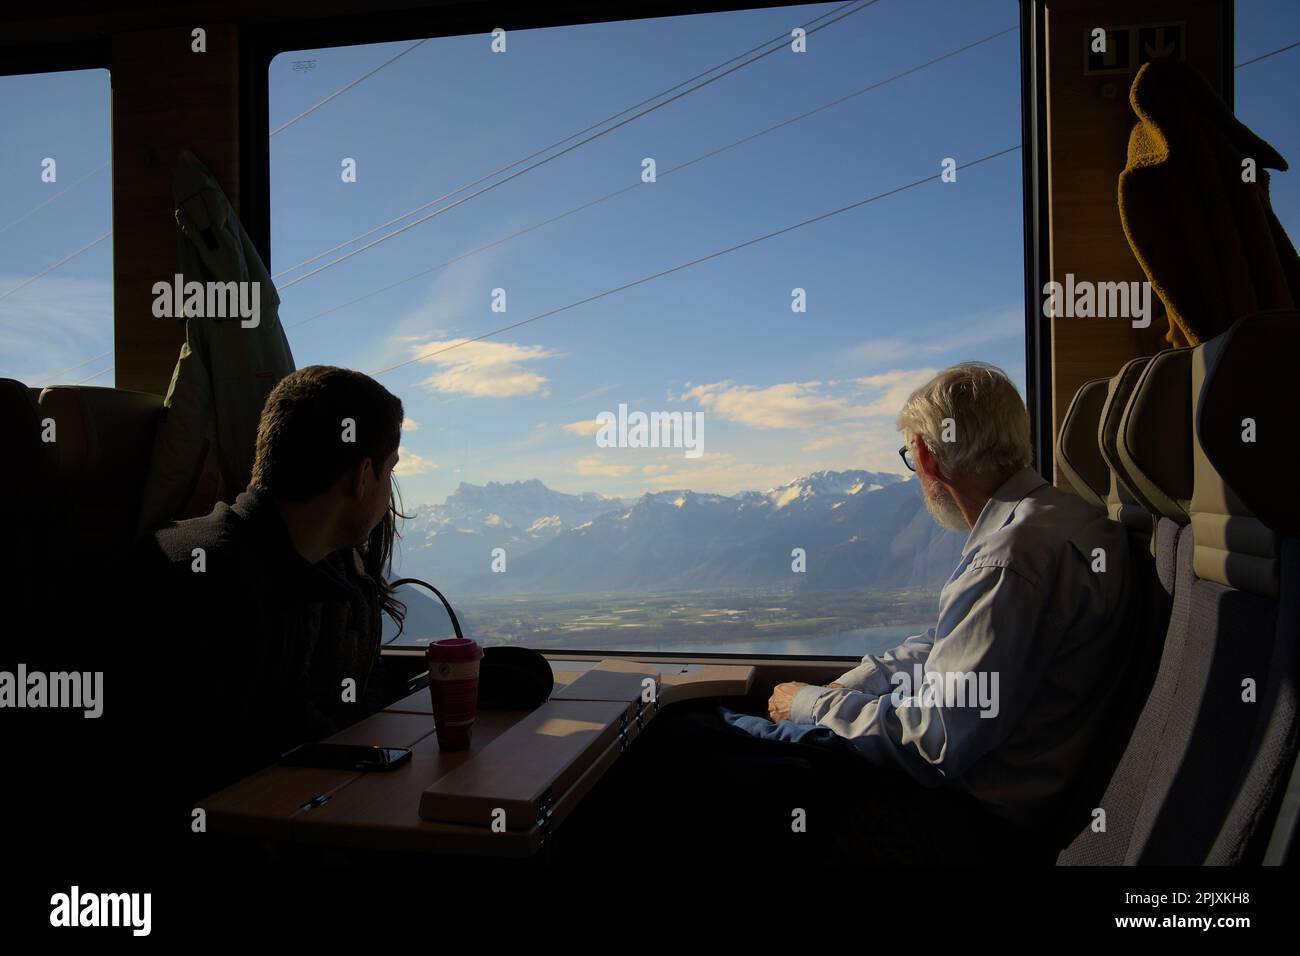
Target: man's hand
{"x": 778, "y": 706}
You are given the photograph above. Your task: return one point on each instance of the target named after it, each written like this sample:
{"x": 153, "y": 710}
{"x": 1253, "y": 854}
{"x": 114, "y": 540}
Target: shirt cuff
{"x": 858, "y": 678}
{"x": 802, "y": 703}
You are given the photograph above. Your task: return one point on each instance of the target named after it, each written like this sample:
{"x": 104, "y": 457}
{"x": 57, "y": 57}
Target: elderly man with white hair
{"x": 998, "y": 698}
{"x": 962, "y": 744}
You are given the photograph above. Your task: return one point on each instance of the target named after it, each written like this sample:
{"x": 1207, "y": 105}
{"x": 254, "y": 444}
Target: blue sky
{"x": 783, "y": 393}
{"x": 895, "y": 289}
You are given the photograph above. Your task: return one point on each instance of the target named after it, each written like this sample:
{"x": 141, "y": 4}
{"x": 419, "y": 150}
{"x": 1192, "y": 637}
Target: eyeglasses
{"x": 905, "y": 453}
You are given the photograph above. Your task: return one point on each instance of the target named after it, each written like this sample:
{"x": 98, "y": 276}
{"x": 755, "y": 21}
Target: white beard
{"x": 942, "y": 508}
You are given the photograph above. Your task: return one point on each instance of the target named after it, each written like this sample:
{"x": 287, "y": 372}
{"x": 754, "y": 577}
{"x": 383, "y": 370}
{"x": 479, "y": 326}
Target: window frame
{"x": 1036, "y": 231}
{"x": 57, "y": 58}
{"x": 258, "y": 46}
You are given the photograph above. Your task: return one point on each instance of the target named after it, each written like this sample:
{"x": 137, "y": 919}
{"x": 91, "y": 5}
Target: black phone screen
{"x": 346, "y": 757}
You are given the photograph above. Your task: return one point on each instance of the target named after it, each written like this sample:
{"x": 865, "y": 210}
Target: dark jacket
{"x": 1210, "y": 243}
{"x": 259, "y": 643}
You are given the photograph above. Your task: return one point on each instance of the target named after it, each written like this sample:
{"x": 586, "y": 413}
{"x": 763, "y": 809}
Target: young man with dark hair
{"x": 269, "y": 608}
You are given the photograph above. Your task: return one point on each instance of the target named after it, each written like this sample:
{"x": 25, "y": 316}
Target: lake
{"x": 854, "y": 643}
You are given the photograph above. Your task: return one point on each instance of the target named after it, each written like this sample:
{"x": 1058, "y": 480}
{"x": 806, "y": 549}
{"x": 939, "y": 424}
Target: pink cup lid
{"x": 454, "y": 649}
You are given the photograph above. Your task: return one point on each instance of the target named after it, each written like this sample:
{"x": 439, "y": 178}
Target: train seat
{"x": 1078, "y": 455}
{"x": 1200, "y": 731}
{"x": 1253, "y": 544}
{"x": 1087, "y": 445}
{"x": 104, "y": 437}
{"x": 26, "y": 496}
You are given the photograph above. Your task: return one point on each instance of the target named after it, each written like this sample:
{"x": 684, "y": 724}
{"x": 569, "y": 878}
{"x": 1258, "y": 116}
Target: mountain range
{"x": 858, "y": 529}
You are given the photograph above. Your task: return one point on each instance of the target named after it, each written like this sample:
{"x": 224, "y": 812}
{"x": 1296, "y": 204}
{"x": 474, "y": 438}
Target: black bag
{"x": 510, "y": 678}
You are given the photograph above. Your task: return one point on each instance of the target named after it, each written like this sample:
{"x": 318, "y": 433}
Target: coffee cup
{"x": 453, "y": 683}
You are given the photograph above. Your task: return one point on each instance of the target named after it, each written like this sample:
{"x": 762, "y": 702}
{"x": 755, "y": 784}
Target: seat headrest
{"x": 27, "y": 485}
{"x": 1234, "y": 545}
{"x": 1078, "y": 455}
{"x": 103, "y": 442}
{"x": 18, "y": 405}
{"x": 1121, "y": 504}
{"x": 76, "y": 440}
{"x": 1154, "y": 441}
{"x": 1246, "y": 421}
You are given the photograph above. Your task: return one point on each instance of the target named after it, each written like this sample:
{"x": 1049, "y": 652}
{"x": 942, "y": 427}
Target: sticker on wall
{"x": 1124, "y": 49}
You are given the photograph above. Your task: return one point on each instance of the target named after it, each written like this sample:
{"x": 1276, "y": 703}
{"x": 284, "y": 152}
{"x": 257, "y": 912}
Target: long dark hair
{"x": 377, "y": 557}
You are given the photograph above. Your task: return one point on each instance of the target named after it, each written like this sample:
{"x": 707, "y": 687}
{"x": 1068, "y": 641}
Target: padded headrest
{"x": 1154, "y": 441}
{"x": 1121, "y": 504}
{"x": 76, "y": 439}
{"x": 1234, "y": 545}
{"x": 27, "y": 485}
{"x": 1078, "y": 455}
{"x": 1246, "y": 422}
{"x": 103, "y": 440}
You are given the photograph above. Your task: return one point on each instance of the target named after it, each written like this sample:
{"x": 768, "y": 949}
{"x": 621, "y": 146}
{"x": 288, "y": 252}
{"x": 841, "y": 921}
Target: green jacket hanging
{"x": 229, "y": 362}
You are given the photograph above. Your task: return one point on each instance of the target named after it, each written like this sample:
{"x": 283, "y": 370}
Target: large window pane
{"x": 793, "y": 530}
{"x": 1265, "y": 92}
{"x": 56, "y": 250}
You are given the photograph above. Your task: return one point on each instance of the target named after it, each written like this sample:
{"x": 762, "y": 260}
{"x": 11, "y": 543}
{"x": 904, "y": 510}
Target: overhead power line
{"x": 545, "y": 149}
{"x": 46, "y": 202}
{"x": 66, "y": 259}
{"x": 661, "y": 175}
{"x": 780, "y": 44}
{"x": 279, "y": 129}
{"x": 54, "y": 376}
{"x": 95, "y": 376}
{"x": 1265, "y": 56}
{"x": 692, "y": 262}
{"x": 339, "y": 92}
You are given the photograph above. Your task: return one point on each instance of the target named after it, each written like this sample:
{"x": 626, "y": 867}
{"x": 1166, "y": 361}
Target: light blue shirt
{"x": 997, "y": 697}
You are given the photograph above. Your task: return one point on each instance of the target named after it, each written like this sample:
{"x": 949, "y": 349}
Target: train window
{"x": 652, "y": 293}
{"x": 1267, "y": 36}
{"x": 56, "y": 281}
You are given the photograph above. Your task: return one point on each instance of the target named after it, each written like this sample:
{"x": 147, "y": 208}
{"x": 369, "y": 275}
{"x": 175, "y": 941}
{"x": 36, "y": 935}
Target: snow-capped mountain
{"x": 828, "y": 488}
{"x": 856, "y": 528}
{"x": 453, "y": 540}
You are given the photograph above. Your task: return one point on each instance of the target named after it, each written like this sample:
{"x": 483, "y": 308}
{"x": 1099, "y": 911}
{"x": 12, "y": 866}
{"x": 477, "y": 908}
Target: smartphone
{"x": 346, "y": 757}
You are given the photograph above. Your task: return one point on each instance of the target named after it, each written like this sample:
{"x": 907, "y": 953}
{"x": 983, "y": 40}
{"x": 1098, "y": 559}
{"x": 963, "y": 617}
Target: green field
{"x": 703, "y": 620}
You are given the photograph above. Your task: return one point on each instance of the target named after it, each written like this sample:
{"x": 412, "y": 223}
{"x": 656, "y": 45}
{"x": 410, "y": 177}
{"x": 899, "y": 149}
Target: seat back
{"x": 104, "y": 437}
{"x": 1247, "y": 403}
{"x": 1121, "y": 504}
{"x": 26, "y": 500}
{"x": 1115, "y": 772}
{"x": 1078, "y": 454}
{"x": 1232, "y": 607}
{"x": 1201, "y": 776}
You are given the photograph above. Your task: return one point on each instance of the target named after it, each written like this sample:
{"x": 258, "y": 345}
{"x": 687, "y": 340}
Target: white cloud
{"x": 453, "y": 298}
{"x": 787, "y": 405}
{"x": 584, "y": 428}
{"x": 824, "y": 442}
{"x": 409, "y": 463}
{"x": 595, "y": 393}
{"x": 410, "y": 425}
{"x": 893, "y": 388}
{"x": 721, "y": 473}
{"x": 602, "y": 467}
{"x": 967, "y": 332}
{"x": 482, "y": 369}
{"x": 810, "y": 405}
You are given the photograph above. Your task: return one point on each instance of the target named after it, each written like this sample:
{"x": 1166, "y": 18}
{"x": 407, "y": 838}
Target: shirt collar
{"x": 1002, "y": 505}
{"x": 319, "y": 581}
